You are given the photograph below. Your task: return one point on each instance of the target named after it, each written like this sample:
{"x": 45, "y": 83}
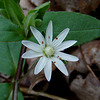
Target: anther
{"x": 56, "y": 38}
{"x": 42, "y": 42}
{"x": 54, "y": 62}
{"x": 59, "y": 58}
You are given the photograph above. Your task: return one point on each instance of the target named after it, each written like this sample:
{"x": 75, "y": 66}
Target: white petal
{"x": 66, "y": 57}
{"x": 37, "y": 34}
{"x": 65, "y": 45}
{"x": 32, "y": 45}
{"x": 60, "y": 65}
{"x": 31, "y": 54}
{"x": 58, "y": 40}
{"x": 49, "y": 32}
{"x": 40, "y": 65}
{"x": 48, "y": 70}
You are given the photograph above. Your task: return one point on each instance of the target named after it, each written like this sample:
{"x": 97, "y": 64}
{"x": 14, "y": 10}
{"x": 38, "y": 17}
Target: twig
{"x": 5, "y": 78}
{"x": 92, "y": 73}
{"x": 18, "y": 73}
{"x": 27, "y": 91}
{"x": 89, "y": 68}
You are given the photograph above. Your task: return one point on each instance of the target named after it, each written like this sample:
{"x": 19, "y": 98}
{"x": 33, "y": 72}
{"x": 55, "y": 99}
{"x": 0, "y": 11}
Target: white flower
{"x": 49, "y": 51}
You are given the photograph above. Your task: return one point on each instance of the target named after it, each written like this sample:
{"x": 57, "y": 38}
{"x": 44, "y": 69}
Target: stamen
{"x": 56, "y": 38}
{"x": 49, "y": 51}
{"x": 59, "y": 58}
{"x": 42, "y": 42}
{"x": 49, "y": 37}
{"x": 54, "y": 62}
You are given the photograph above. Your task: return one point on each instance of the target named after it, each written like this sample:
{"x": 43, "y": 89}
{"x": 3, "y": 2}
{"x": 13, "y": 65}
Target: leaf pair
{"x": 13, "y": 26}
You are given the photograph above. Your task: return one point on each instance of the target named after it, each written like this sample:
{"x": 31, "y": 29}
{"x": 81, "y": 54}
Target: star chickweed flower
{"x": 49, "y": 51}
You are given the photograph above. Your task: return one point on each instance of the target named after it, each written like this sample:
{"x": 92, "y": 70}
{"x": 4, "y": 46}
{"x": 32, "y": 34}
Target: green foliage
{"x": 83, "y": 28}
{"x": 3, "y": 12}
{"x": 38, "y": 22}
{"x": 29, "y": 20}
{"x": 14, "y": 11}
{"x": 1, "y": 4}
{"x": 9, "y": 54}
{"x": 17, "y": 1}
{"x": 14, "y": 27}
{"x": 41, "y": 10}
{"x": 6, "y": 92}
{"x": 35, "y": 14}
{"x": 10, "y": 31}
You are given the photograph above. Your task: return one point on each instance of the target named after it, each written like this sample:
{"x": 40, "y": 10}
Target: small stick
{"x": 89, "y": 68}
{"x": 27, "y": 91}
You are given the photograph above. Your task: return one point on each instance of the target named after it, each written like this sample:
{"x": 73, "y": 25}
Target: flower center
{"x": 49, "y": 51}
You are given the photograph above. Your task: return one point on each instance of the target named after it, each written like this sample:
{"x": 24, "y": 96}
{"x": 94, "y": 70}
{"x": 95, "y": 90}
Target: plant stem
{"x": 18, "y": 73}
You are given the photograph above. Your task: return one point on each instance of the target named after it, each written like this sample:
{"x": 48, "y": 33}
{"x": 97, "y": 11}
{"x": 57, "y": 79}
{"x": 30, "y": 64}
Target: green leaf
{"x": 38, "y": 22}
{"x": 1, "y": 4}
{"x": 83, "y": 28}
{"x": 33, "y": 15}
{"x": 42, "y": 9}
{"x": 9, "y": 55}
{"x": 14, "y": 11}
{"x": 9, "y": 31}
{"x": 17, "y": 1}
{"x": 29, "y": 20}
{"x": 3, "y": 13}
{"x": 20, "y": 96}
{"x": 6, "y": 90}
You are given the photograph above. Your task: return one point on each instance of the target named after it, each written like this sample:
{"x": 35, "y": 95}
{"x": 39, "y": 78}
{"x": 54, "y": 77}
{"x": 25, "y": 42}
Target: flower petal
{"x": 31, "y": 45}
{"x": 40, "y": 65}
{"x": 66, "y": 57}
{"x": 65, "y": 45}
{"x": 38, "y": 36}
{"x": 31, "y": 54}
{"x": 58, "y": 40}
{"x": 49, "y": 32}
{"x": 48, "y": 70}
{"x": 60, "y": 65}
